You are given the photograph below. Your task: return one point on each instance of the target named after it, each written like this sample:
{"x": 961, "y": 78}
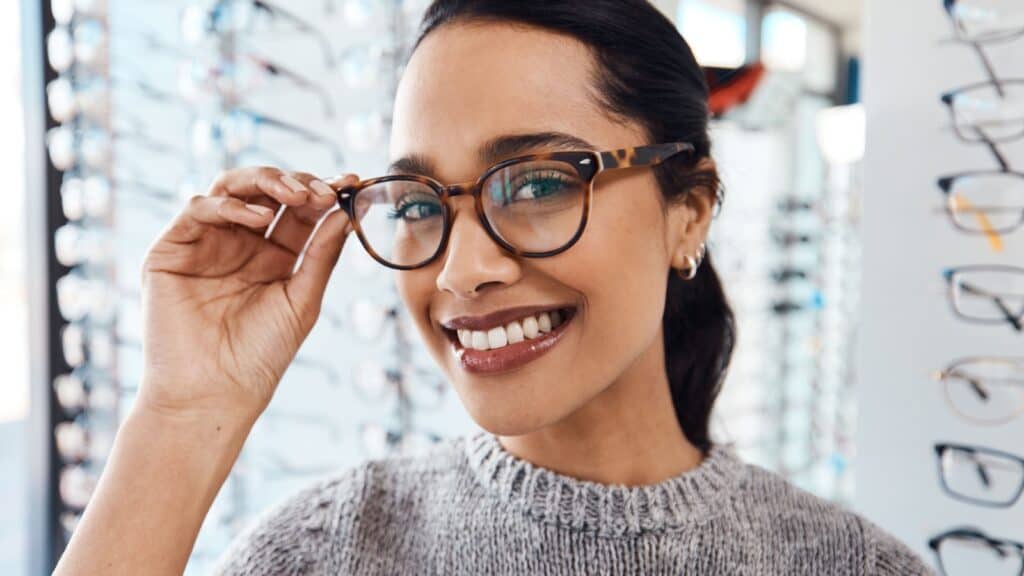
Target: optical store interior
{"x": 869, "y": 241}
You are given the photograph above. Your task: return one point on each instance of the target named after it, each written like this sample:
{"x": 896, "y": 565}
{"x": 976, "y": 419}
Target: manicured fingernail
{"x": 293, "y": 183}
{"x": 261, "y": 210}
{"x": 323, "y": 190}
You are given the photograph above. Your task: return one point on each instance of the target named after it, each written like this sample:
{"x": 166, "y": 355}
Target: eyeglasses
{"x": 533, "y": 206}
{"x": 981, "y": 476}
{"x": 987, "y": 294}
{"x": 985, "y": 21}
{"x": 237, "y": 131}
{"x": 988, "y": 111}
{"x": 218, "y": 17}
{"x": 242, "y": 76}
{"x": 971, "y": 551}
{"x": 985, "y": 202}
{"x": 985, "y": 390}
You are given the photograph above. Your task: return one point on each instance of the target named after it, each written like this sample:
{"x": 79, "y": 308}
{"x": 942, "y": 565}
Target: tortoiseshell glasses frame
{"x": 587, "y": 164}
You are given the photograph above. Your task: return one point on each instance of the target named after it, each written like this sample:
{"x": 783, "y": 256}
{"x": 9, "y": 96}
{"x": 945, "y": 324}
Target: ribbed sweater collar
{"x": 607, "y": 509}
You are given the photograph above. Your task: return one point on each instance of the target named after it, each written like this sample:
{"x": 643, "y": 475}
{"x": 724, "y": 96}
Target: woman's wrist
{"x": 163, "y": 474}
{"x": 232, "y": 416}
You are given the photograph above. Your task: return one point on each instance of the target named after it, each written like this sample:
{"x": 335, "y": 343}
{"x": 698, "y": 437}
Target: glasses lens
{"x": 984, "y": 113}
{"x": 965, "y": 554}
{"x": 987, "y": 203}
{"x": 989, "y": 295}
{"x": 987, "y": 20}
{"x": 981, "y": 476}
{"x": 535, "y": 206}
{"x": 402, "y": 221}
{"x": 987, "y": 391}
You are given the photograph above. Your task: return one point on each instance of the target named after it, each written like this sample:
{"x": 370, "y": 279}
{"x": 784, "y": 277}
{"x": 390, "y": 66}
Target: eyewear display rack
{"x": 142, "y": 115}
{"x": 942, "y": 373}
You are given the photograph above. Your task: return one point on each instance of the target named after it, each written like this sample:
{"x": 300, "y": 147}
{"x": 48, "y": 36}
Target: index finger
{"x": 254, "y": 182}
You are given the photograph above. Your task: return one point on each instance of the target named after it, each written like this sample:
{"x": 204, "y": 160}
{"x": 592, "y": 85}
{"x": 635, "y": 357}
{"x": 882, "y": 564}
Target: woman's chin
{"x": 506, "y": 418}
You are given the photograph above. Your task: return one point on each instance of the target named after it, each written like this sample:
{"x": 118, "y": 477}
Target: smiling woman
{"x": 547, "y": 210}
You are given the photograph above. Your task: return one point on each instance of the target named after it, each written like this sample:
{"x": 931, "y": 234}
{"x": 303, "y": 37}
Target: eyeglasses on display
{"x": 981, "y": 476}
{"x": 987, "y": 294}
{"x": 988, "y": 111}
{"x": 986, "y": 21}
{"x": 985, "y": 202}
{"x": 241, "y": 76}
{"x": 984, "y": 390}
{"x": 533, "y": 206}
{"x": 968, "y": 550}
{"x": 238, "y": 131}
{"x": 217, "y": 17}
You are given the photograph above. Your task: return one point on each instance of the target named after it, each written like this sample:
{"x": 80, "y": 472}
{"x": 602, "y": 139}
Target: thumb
{"x": 307, "y": 286}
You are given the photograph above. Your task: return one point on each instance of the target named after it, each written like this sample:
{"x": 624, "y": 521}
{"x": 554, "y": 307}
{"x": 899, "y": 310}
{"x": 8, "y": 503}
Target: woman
{"x": 586, "y": 333}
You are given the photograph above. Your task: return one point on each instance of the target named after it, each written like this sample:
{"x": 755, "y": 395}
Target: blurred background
{"x": 867, "y": 243}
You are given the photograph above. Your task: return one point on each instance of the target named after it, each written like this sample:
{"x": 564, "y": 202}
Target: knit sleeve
{"x": 887, "y": 556}
{"x": 295, "y": 536}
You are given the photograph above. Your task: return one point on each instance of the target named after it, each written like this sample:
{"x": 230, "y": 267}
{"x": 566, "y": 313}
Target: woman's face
{"x": 465, "y": 86}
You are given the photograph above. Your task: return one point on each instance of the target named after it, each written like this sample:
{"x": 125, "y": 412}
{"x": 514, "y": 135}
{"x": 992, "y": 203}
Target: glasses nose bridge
{"x": 460, "y": 189}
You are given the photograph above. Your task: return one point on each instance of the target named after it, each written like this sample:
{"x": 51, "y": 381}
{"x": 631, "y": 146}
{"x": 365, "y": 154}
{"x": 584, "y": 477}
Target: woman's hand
{"x": 223, "y": 313}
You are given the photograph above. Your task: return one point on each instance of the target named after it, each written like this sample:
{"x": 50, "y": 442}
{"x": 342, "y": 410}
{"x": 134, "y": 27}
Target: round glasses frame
{"x": 588, "y": 164}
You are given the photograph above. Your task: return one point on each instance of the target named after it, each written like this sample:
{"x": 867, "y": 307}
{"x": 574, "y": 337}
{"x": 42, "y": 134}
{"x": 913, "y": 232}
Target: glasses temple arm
{"x": 989, "y": 69}
{"x": 300, "y": 24}
{"x": 1009, "y": 316}
{"x": 1004, "y": 166}
{"x": 643, "y": 155}
{"x": 299, "y": 80}
{"x": 302, "y": 132}
{"x": 982, "y": 471}
{"x": 1014, "y": 320}
{"x": 974, "y": 383}
{"x": 960, "y": 204}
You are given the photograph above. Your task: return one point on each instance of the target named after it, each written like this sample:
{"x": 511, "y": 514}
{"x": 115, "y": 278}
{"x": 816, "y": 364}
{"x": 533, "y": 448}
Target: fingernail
{"x": 261, "y": 210}
{"x": 323, "y": 190}
{"x": 292, "y": 183}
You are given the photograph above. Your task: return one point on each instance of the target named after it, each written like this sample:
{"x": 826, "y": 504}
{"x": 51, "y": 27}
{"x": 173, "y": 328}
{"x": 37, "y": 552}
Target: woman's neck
{"x": 628, "y": 434}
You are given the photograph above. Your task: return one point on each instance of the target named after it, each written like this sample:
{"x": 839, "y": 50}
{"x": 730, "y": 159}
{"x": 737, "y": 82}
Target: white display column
{"x": 909, "y": 329}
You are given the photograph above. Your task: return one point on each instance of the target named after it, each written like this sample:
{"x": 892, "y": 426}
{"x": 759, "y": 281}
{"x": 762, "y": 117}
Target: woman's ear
{"x": 689, "y": 218}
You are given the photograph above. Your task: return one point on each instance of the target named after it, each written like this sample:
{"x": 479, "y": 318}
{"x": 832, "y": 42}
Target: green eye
{"x": 414, "y": 207}
{"x": 536, "y": 185}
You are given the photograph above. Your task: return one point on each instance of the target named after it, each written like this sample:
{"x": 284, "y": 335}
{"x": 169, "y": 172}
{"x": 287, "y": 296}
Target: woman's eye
{"x": 414, "y": 210}
{"x": 537, "y": 186}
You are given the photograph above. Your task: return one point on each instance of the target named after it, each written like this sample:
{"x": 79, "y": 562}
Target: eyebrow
{"x": 495, "y": 150}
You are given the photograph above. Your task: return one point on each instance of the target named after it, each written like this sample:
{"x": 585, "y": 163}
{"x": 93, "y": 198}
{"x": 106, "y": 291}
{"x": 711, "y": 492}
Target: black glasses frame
{"x": 588, "y": 164}
{"x": 943, "y": 447}
{"x": 1014, "y": 319}
{"x": 998, "y": 546}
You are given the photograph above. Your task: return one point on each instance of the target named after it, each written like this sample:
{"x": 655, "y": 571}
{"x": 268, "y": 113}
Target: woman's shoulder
{"x": 300, "y": 534}
{"x": 793, "y": 521}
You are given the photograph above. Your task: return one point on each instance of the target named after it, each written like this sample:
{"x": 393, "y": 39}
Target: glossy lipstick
{"x": 510, "y": 356}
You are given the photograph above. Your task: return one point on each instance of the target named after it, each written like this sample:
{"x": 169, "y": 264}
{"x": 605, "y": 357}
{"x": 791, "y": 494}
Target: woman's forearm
{"x": 157, "y": 487}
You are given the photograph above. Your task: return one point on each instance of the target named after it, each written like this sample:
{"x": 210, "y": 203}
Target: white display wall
{"x": 909, "y": 330}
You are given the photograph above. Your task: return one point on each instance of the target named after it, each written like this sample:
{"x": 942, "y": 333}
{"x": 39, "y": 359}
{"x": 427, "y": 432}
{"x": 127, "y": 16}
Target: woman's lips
{"x": 510, "y": 356}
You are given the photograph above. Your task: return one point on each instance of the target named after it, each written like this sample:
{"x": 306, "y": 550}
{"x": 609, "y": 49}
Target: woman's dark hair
{"x": 645, "y": 73}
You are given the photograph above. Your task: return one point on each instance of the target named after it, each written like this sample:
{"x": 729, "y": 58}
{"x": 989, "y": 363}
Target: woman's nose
{"x": 472, "y": 260}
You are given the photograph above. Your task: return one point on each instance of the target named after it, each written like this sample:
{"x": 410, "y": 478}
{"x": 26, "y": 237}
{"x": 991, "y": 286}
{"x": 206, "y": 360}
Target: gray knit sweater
{"x": 470, "y": 507}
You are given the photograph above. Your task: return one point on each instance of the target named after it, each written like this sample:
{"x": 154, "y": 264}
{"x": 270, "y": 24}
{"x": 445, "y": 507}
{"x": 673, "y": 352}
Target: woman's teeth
{"x": 516, "y": 331}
